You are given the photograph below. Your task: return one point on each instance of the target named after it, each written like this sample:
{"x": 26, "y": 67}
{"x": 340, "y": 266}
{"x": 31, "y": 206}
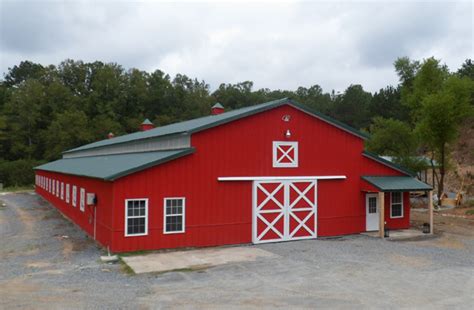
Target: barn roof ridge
{"x": 209, "y": 121}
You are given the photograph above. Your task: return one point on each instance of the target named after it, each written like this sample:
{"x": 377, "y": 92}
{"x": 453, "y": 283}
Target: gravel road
{"x": 47, "y": 262}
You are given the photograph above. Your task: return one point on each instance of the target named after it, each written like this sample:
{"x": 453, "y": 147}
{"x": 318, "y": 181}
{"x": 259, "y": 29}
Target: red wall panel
{"x": 85, "y": 219}
{"x": 221, "y": 212}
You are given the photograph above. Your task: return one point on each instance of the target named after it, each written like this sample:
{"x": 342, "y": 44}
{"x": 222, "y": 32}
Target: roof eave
{"x": 387, "y": 163}
{"x": 424, "y": 189}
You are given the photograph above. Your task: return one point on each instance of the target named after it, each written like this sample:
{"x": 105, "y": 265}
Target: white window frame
{"x": 183, "y": 214}
{"x": 74, "y": 196}
{"x": 82, "y": 201}
{"x": 277, "y": 161}
{"x": 47, "y": 184}
{"x": 57, "y": 188}
{"x": 68, "y": 194}
{"x": 139, "y": 216}
{"x": 62, "y": 190}
{"x": 398, "y": 203}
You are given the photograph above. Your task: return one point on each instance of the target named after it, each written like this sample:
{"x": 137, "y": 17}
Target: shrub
{"x": 17, "y": 173}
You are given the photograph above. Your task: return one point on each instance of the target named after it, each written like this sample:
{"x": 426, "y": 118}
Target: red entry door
{"x": 284, "y": 210}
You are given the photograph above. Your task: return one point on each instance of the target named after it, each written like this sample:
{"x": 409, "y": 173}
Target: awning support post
{"x": 430, "y": 210}
{"x": 381, "y": 214}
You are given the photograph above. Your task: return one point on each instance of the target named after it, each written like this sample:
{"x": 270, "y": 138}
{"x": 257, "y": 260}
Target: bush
{"x": 18, "y": 172}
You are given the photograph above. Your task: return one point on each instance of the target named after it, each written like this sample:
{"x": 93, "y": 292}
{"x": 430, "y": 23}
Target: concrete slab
{"x": 194, "y": 259}
{"x": 405, "y": 234}
{"x": 401, "y": 234}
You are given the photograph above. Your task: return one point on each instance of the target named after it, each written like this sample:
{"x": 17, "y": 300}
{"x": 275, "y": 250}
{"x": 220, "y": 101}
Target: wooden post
{"x": 381, "y": 214}
{"x": 430, "y": 210}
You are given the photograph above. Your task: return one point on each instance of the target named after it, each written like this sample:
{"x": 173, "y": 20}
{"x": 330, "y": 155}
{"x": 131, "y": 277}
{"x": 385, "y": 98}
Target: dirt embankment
{"x": 462, "y": 161}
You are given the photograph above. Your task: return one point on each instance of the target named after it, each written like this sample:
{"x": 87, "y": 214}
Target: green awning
{"x": 111, "y": 167}
{"x": 397, "y": 183}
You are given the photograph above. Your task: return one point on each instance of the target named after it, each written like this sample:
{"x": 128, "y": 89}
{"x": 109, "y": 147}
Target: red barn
{"x": 270, "y": 172}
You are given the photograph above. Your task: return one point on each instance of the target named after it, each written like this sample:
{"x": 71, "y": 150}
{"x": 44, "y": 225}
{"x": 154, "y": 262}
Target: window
{"x": 136, "y": 217}
{"x": 47, "y": 184}
{"x": 62, "y": 190}
{"x": 74, "y": 195}
{"x": 57, "y": 188}
{"x": 174, "y": 215}
{"x": 372, "y": 204}
{"x": 83, "y": 198}
{"x": 50, "y": 183}
{"x": 396, "y": 205}
{"x": 285, "y": 154}
{"x": 53, "y": 189}
{"x": 67, "y": 193}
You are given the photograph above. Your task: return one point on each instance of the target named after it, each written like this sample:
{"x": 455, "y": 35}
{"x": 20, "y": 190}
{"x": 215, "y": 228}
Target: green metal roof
{"x": 111, "y": 167}
{"x": 388, "y": 163}
{"x": 147, "y": 122}
{"x": 397, "y": 183}
{"x": 218, "y": 105}
{"x": 202, "y": 123}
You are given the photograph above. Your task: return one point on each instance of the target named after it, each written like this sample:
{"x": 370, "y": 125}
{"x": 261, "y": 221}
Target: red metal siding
{"x": 85, "y": 219}
{"x": 221, "y": 212}
{"x": 398, "y": 223}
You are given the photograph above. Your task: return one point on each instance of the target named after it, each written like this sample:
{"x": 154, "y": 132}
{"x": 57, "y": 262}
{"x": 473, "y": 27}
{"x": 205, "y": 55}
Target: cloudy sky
{"x": 277, "y": 45}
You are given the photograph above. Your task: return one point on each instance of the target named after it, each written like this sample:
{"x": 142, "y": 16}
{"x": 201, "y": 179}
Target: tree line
{"x": 45, "y": 110}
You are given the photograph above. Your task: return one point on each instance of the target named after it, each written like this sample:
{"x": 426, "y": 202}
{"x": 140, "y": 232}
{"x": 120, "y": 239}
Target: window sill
{"x": 136, "y": 235}
{"x": 396, "y": 217}
{"x": 173, "y": 232}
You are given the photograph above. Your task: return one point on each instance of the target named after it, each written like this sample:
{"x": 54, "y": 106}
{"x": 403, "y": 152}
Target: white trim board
{"x": 276, "y": 178}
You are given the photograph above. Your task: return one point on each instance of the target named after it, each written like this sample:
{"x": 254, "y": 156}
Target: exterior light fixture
{"x": 288, "y": 134}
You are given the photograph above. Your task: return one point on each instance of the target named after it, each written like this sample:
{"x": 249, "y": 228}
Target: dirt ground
{"x": 48, "y": 263}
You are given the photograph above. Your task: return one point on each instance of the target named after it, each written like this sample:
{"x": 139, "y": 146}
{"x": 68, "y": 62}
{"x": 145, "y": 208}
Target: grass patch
{"x": 126, "y": 268}
{"x": 470, "y": 212}
{"x": 134, "y": 253}
{"x": 17, "y": 189}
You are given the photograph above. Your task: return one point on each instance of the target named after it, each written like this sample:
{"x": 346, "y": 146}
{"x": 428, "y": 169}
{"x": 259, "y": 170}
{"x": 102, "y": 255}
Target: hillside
{"x": 463, "y": 161}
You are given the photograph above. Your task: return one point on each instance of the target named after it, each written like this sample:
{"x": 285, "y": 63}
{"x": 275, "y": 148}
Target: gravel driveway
{"x": 46, "y": 262}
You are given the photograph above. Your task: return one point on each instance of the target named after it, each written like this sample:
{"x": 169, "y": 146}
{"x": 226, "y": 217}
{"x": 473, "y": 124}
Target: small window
{"x": 136, "y": 217}
{"x": 57, "y": 188}
{"x": 47, "y": 184}
{"x": 285, "y": 154}
{"x": 62, "y": 190}
{"x": 82, "y": 205}
{"x": 50, "y": 184}
{"x": 67, "y": 193}
{"x": 396, "y": 205}
{"x": 74, "y": 195}
{"x": 174, "y": 215}
{"x": 53, "y": 190}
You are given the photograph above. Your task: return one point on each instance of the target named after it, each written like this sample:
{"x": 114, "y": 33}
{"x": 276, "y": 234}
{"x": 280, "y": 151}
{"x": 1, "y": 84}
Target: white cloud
{"x": 276, "y": 45}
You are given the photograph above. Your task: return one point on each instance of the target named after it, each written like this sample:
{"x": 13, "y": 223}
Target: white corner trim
{"x": 276, "y": 178}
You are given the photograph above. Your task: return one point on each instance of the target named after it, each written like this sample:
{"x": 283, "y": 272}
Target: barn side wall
{"x": 220, "y": 213}
{"x": 85, "y": 220}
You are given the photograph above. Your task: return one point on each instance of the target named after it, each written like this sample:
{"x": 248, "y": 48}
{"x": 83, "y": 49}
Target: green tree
{"x": 467, "y": 69}
{"x": 442, "y": 112}
{"x": 24, "y": 71}
{"x": 385, "y": 140}
{"x": 387, "y": 103}
{"x": 69, "y": 129}
{"x": 439, "y": 102}
{"x": 352, "y": 107}
{"x": 23, "y": 112}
